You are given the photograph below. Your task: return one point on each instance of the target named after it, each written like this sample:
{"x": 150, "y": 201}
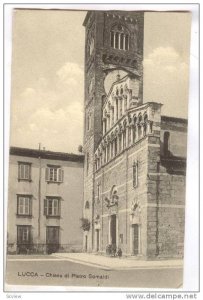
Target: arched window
{"x": 87, "y": 205}
{"x": 139, "y": 127}
{"x": 134, "y": 129}
{"x": 135, "y": 174}
{"x": 145, "y": 124}
{"x": 119, "y": 37}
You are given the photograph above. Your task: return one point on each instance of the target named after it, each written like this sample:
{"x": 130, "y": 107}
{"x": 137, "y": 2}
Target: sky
{"x": 47, "y": 84}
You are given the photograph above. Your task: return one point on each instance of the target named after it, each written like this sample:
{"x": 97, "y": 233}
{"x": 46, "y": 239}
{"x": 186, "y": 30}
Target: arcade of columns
{"x": 122, "y": 126}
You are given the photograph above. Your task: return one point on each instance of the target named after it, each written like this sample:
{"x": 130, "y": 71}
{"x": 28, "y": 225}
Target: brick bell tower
{"x": 113, "y": 46}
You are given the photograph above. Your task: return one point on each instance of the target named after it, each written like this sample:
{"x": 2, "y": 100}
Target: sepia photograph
{"x": 98, "y": 148}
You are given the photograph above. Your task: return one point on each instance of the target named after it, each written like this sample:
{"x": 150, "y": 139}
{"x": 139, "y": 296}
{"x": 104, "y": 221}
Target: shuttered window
{"x": 24, "y": 205}
{"x": 54, "y": 174}
{"x": 52, "y": 207}
{"x": 24, "y": 234}
{"x": 24, "y": 171}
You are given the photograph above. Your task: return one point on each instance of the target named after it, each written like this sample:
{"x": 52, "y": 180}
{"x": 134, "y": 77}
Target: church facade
{"x": 135, "y": 158}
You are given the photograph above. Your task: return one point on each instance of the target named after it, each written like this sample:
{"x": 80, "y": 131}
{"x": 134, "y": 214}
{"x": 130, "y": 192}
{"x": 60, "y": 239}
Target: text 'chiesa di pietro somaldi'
{"x": 128, "y": 186}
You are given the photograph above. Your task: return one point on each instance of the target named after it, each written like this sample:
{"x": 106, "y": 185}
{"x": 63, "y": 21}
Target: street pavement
{"x": 52, "y": 270}
{"x": 116, "y": 263}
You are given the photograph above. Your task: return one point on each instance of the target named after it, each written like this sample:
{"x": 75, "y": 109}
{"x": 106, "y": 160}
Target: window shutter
{"x": 59, "y": 207}
{"x": 60, "y": 175}
{"x": 21, "y": 173}
{"x": 45, "y": 207}
{"x": 26, "y": 172}
{"x": 30, "y": 206}
{"x": 26, "y": 205}
{"x": 18, "y": 171}
{"x": 20, "y": 205}
{"x": 47, "y": 174}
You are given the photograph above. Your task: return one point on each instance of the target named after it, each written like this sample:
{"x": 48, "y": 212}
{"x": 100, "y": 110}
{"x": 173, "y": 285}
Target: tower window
{"x": 119, "y": 37}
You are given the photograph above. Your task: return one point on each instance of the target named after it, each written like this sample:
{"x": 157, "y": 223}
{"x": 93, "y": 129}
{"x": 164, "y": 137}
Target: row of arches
{"x": 119, "y": 37}
{"x": 123, "y": 136}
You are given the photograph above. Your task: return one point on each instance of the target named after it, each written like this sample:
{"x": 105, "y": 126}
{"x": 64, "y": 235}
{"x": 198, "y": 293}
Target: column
{"x": 119, "y": 108}
{"x": 123, "y": 106}
{"x": 121, "y": 141}
{"x": 108, "y": 123}
{"x": 103, "y": 124}
{"x": 127, "y": 142}
{"x": 132, "y": 128}
{"x": 110, "y": 118}
{"x": 142, "y": 129}
{"x": 115, "y": 111}
{"x": 109, "y": 150}
{"x": 114, "y": 40}
{"x": 119, "y": 41}
{"x": 124, "y": 42}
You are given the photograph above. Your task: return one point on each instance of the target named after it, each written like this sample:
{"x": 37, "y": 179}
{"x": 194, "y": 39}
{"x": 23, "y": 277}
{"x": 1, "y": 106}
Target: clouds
{"x": 166, "y": 79}
{"x": 51, "y": 112}
{"x": 48, "y": 75}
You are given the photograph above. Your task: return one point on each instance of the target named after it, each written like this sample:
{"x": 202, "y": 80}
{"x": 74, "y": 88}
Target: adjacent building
{"x": 135, "y": 158}
{"x": 45, "y": 200}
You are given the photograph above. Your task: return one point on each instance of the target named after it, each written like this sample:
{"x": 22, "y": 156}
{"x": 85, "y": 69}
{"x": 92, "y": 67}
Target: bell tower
{"x": 113, "y": 47}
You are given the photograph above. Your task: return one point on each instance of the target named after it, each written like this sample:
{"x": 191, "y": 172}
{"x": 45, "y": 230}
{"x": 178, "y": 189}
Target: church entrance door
{"x": 113, "y": 230}
{"x": 135, "y": 236}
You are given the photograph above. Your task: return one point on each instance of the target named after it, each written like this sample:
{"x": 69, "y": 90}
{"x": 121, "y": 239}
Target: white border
{"x": 192, "y": 208}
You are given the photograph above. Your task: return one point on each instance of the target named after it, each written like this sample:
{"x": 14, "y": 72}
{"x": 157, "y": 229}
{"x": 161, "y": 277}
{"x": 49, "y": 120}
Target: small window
{"x": 24, "y": 205}
{"x": 24, "y": 171}
{"x": 52, "y": 207}
{"x": 54, "y": 174}
{"x": 87, "y": 205}
{"x": 135, "y": 174}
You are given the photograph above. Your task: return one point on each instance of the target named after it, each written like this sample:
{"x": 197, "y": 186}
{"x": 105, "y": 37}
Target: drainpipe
{"x": 157, "y": 210}
{"x": 93, "y": 175}
{"x": 39, "y": 195}
{"x": 126, "y": 202}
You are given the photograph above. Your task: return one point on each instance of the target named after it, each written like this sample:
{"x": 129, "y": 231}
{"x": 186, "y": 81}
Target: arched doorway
{"x": 113, "y": 229}
{"x": 135, "y": 239}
